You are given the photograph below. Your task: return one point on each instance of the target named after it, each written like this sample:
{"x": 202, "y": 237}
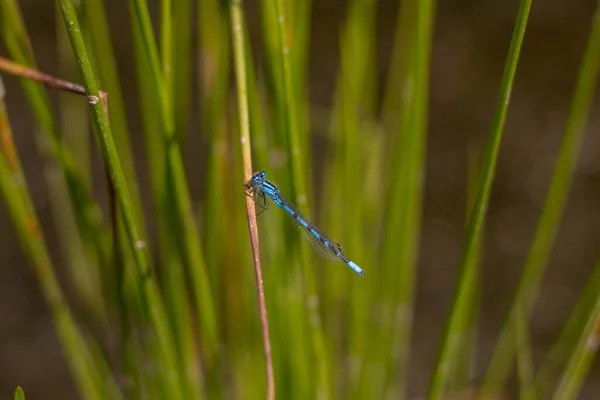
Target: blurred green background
{"x": 468, "y": 50}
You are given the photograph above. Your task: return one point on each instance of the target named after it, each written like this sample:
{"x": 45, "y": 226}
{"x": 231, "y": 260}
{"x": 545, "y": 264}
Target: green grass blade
{"x": 73, "y": 120}
{"x": 298, "y": 24}
{"x": 298, "y": 383}
{"x": 150, "y": 291}
{"x": 94, "y": 232}
{"x": 353, "y": 151}
{"x": 297, "y": 151}
{"x": 74, "y": 123}
{"x": 175, "y": 281}
{"x": 548, "y": 223}
{"x": 568, "y": 339}
{"x": 394, "y": 285}
{"x": 182, "y": 65}
{"x": 447, "y": 352}
{"x": 179, "y": 311}
{"x": 401, "y": 223}
{"x": 19, "y": 393}
{"x": 410, "y": 172}
{"x": 15, "y": 36}
{"x": 96, "y": 28}
{"x": 177, "y": 304}
{"x": 524, "y": 357}
{"x": 297, "y": 164}
{"x": 142, "y": 22}
{"x": 166, "y": 56}
{"x": 221, "y": 210}
{"x": 582, "y": 356}
{"x": 186, "y": 230}
{"x": 97, "y": 36}
{"x": 105, "y": 68}
{"x": 13, "y": 188}
{"x": 273, "y": 71}
{"x": 213, "y": 33}
{"x": 467, "y": 345}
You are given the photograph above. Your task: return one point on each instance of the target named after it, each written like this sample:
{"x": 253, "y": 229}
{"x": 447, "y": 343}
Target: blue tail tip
{"x": 356, "y": 268}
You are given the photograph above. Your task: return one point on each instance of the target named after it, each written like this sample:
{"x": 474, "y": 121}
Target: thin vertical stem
{"x": 448, "y": 350}
{"x": 240, "y": 73}
{"x": 150, "y": 292}
{"x": 554, "y": 204}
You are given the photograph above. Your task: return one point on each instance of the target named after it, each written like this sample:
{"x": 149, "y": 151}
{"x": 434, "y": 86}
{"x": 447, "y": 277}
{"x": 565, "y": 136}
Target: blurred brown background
{"x": 470, "y": 43}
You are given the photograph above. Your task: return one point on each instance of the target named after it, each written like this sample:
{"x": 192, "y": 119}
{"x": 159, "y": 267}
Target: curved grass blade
{"x": 92, "y": 228}
{"x": 524, "y": 357}
{"x": 296, "y": 142}
{"x": 177, "y": 302}
{"x": 149, "y": 290}
{"x": 401, "y": 213}
{"x": 499, "y": 367}
{"x": 92, "y": 376}
{"x": 175, "y": 181}
{"x": 564, "y": 346}
{"x": 460, "y": 304}
{"x": 582, "y": 356}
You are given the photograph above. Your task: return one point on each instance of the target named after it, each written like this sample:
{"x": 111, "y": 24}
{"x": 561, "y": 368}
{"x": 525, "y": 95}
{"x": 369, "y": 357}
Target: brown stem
{"x": 237, "y": 28}
{"x": 260, "y": 288}
{"x": 25, "y": 72}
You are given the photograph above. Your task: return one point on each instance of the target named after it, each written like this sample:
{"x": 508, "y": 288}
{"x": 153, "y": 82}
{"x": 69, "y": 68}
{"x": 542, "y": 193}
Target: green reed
{"x": 189, "y": 321}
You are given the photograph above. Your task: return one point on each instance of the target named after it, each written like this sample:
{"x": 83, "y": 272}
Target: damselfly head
{"x": 259, "y": 177}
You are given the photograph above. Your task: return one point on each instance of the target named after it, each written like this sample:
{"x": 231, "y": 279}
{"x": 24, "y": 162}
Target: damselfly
{"x": 259, "y": 188}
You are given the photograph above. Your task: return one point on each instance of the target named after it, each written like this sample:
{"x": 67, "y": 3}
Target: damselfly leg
{"x": 256, "y": 194}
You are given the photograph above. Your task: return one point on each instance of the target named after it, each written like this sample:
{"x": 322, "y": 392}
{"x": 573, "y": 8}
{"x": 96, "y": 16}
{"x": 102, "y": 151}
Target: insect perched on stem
{"x": 259, "y": 188}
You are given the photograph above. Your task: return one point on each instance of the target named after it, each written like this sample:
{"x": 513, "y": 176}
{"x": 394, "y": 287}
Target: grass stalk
{"x": 175, "y": 282}
{"x": 213, "y": 33}
{"x": 151, "y": 295}
{"x": 461, "y": 377}
{"x": 174, "y": 179}
{"x": 194, "y": 327}
{"x": 525, "y": 367}
{"x": 296, "y": 144}
{"x": 103, "y": 60}
{"x": 237, "y": 34}
{"x": 105, "y": 68}
{"x": 19, "y": 393}
{"x": 288, "y": 285}
{"x": 564, "y": 346}
{"x": 354, "y": 104}
{"x": 73, "y": 122}
{"x": 91, "y": 226}
{"x": 553, "y": 207}
{"x": 460, "y": 304}
{"x": 584, "y": 352}
{"x": 388, "y": 363}
{"x": 221, "y": 210}
{"x": 88, "y": 371}
{"x": 182, "y": 65}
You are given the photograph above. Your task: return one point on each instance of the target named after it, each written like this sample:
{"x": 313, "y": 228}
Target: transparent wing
{"x": 328, "y": 253}
{"x": 315, "y": 243}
